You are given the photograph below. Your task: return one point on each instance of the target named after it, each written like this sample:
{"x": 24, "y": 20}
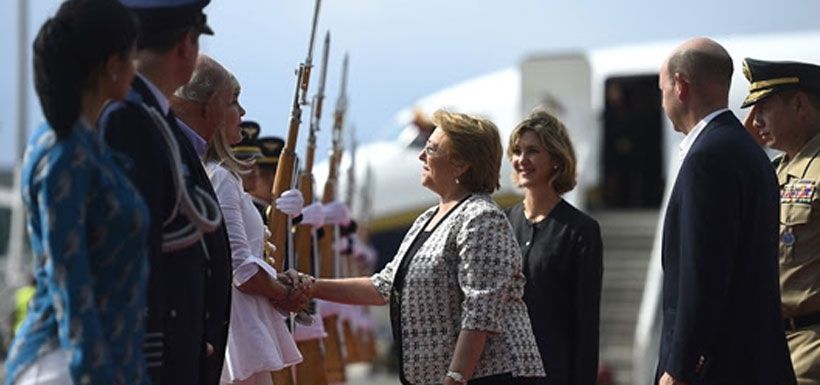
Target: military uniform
{"x": 799, "y": 179}
{"x": 248, "y": 148}
{"x": 188, "y": 303}
{"x": 271, "y": 149}
{"x": 799, "y": 246}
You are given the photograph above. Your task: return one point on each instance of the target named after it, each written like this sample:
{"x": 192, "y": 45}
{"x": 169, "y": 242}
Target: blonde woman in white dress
{"x": 258, "y": 338}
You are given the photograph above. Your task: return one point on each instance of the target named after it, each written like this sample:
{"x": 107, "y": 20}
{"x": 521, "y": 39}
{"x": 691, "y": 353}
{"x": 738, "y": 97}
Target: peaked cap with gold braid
{"x": 767, "y": 77}
{"x": 248, "y": 148}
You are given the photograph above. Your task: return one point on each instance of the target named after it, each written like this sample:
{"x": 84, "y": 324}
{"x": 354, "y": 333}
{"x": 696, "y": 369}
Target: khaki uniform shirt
{"x": 800, "y": 231}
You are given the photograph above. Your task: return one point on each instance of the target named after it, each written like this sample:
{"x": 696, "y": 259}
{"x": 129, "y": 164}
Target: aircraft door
{"x": 562, "y": 84}
{"x": 632, "y": 161}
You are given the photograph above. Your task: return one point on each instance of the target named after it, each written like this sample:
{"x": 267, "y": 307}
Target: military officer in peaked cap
{"x": 785, "y": 101}
{"x": 259, "y": 184}
{"x": 262, "y": 195}
{"x": 190, "y": 276}
{"x": 248, "y": 148}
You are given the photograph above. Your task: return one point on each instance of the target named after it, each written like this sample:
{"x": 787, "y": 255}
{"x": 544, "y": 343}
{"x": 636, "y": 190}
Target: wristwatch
{"x": 456, "y": 376}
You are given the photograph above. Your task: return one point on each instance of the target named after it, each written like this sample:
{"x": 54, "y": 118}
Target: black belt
{"x": 792, "y": 324}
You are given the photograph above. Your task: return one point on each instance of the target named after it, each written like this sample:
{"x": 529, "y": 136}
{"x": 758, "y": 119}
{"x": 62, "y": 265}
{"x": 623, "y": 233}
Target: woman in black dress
{"x": 561, "y": 247}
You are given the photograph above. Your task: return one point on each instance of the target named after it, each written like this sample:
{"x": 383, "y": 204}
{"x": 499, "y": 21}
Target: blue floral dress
{"x": 88, "y": 229}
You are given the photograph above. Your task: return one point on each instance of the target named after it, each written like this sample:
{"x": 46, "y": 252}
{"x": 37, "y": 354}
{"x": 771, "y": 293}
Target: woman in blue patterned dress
{"x": 87, "y": 224}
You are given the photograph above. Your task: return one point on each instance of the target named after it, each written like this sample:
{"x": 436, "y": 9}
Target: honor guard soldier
{"x": 190, "y": 276}
{"x": 271, "y": 148}
{"x": 248, "y": 148}
{"x": 260, "y": 183}
{"x": 785, "y": 100}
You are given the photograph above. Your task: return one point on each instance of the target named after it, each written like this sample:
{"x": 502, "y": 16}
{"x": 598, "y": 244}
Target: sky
{"x": 401, "y": 51}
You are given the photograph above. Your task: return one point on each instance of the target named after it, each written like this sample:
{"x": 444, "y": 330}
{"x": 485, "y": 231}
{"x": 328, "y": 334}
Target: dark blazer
{"x": 721, "y": 296}
{"x": 563, "y": 263}
{"x": 189, "y": 289}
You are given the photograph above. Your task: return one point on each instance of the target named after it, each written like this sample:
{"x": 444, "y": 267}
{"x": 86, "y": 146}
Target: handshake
{"x": 297, "y": 294}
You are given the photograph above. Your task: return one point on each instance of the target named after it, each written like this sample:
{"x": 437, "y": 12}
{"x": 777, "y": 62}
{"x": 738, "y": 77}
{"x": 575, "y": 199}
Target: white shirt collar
{"x": 690, "y": 138}
{"x": 164, "y": 104}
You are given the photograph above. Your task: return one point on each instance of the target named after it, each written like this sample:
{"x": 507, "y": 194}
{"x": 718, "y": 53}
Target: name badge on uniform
{"x": 800, "y": 191}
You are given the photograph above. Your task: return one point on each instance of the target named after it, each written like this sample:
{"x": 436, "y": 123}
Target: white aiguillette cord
{"x": 202, "y": 210}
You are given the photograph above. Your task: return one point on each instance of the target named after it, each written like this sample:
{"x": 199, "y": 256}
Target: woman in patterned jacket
{"x": 455, "y": 285}
{"x": 86, "y": 222}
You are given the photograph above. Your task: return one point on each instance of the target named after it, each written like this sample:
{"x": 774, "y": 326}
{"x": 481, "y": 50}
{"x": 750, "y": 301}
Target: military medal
{"x": 801, "y": 191}
{"x": 788, "y": 238}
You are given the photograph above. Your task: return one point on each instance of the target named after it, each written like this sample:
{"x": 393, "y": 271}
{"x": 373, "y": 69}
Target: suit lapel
{"x": 671, "y": 213}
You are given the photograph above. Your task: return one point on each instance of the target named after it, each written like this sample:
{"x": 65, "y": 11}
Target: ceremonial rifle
{"x": 334, "y": 358}
{"x": 304, "y": 234}
{"x": 369, "y": 337}
{"x": 311, "y": 371}
{"x": 353, "y": 343}
{"x": 329, "y": 268}
{"x": 278, "y": 221}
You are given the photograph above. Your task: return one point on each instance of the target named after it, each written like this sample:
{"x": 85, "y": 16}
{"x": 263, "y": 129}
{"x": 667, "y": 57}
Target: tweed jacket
{"x": 467, "y": 275}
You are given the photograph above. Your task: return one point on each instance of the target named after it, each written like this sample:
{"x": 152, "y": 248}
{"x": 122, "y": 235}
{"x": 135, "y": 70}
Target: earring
{"x": 555, "y": 167}
{"x": 457, "y": 181}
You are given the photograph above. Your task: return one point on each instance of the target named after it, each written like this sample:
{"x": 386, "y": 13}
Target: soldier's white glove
{"x": 290, "y": 202}
{"x": 336, "y": 213}
{"x": 313, "y": 215}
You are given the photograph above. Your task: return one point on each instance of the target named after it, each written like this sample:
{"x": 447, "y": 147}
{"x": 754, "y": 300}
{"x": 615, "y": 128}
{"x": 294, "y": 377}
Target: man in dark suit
{"x": 189, "y": 284}
{"x": 721, "y": 298}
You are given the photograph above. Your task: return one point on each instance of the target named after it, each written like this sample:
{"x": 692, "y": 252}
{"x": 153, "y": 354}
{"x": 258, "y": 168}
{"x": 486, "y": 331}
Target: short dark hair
{"x": 163, "y": 41}
{"x": 71, "y": 47}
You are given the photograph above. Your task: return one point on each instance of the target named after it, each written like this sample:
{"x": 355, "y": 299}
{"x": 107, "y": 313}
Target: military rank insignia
{"x": 801, "y": 191}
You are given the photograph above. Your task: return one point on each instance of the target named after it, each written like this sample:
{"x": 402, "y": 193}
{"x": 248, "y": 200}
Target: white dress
{"x": 258, "y": 338}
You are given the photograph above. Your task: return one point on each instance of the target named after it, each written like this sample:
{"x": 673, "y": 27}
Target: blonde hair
{"x": 553, "y": 136}
{"x": 476, "y": 142}
{"x": 220, "y": 151}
